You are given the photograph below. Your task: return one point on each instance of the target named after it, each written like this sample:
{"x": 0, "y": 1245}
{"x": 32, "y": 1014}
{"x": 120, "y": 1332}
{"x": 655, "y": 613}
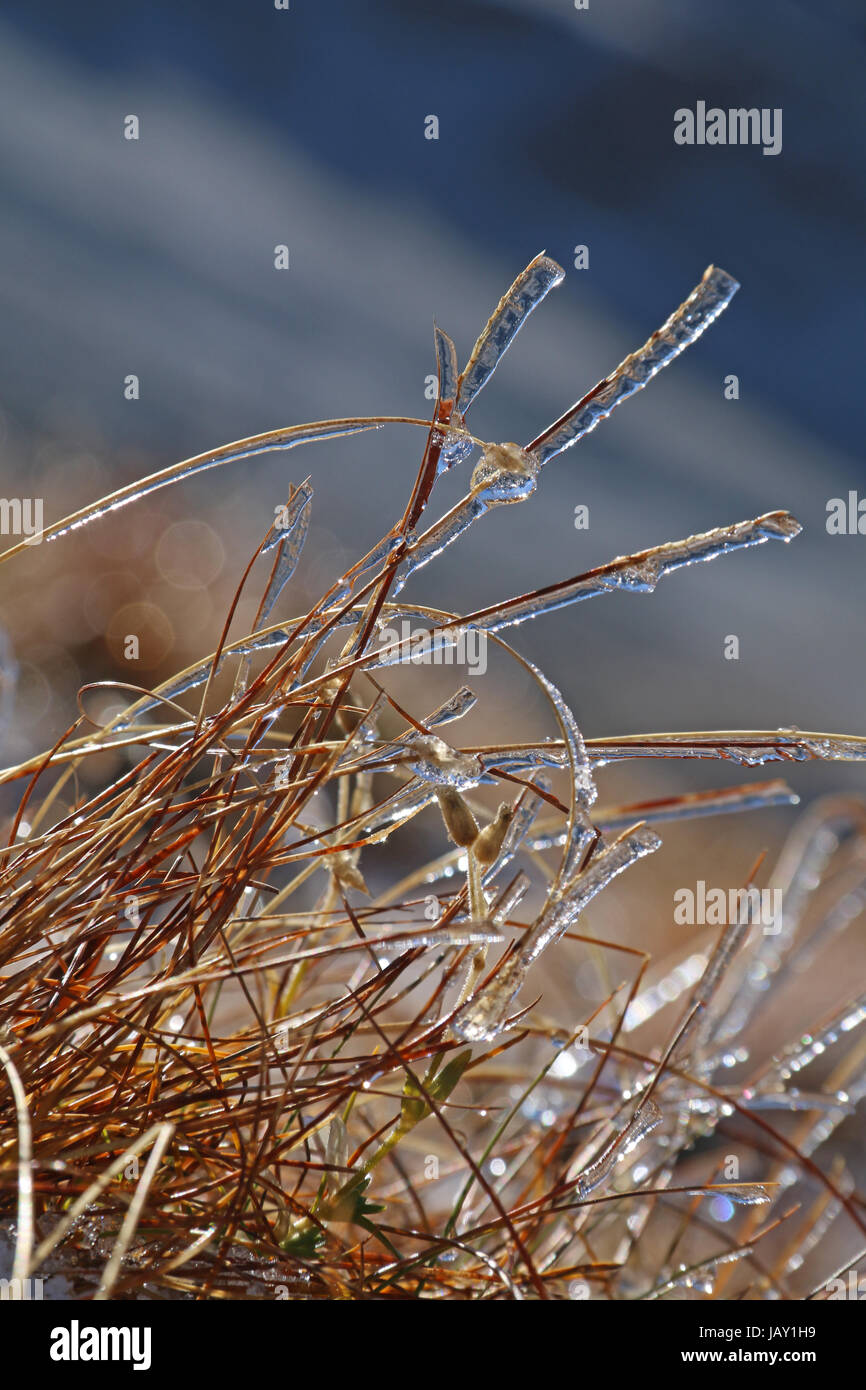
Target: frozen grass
{"x": 232, "y": 1070}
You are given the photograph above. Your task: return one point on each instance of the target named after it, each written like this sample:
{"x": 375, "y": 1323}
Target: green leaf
{"x": 350, "y": 1203}
{"x": 303, "y": 1243}
{"x": 443, "y": 1084}
{"x": 414, "y": 1107}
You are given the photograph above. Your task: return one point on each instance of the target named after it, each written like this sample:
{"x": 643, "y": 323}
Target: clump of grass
{"x": 234, "y": 1070}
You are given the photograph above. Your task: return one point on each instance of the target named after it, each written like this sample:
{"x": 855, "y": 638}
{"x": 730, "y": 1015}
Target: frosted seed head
{"x": 489, "y": 842}
{"x": 347, "y": 874}
{"x": 459, "y": 820}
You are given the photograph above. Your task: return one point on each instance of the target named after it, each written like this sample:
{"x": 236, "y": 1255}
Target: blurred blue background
{"x": 306, "y": 127}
